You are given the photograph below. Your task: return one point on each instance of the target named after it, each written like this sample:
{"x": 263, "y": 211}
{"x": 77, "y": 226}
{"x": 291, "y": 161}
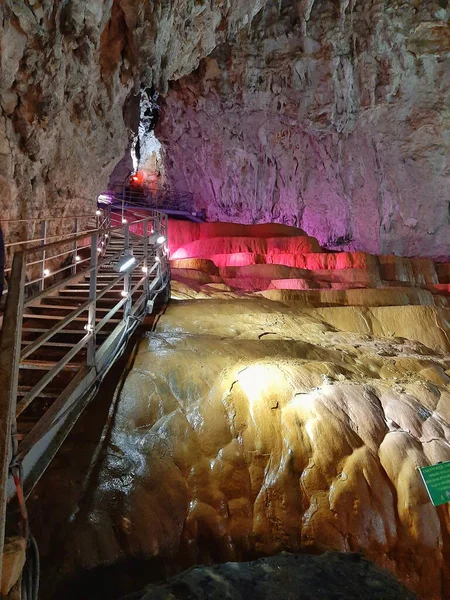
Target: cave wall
{"x": 70, "y": 75}
{"x": 332, "y": 116}
{"x": 62, "y": 126}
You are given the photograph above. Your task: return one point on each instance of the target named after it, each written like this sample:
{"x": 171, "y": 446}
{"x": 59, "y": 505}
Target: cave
{"x": 225, "y": 314}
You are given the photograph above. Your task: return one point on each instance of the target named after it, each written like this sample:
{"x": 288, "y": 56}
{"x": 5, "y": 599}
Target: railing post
{"x": 92, "y": 299}
{"x": 145, "y": 264}
{"x": 75, "y": 247}
{"x": 127, "y": 276}
{"x": 127, "y": 237}
{"x": 123, "y": 203}
{"x": 10, "y": 345}
{"x": 43, "y": 242}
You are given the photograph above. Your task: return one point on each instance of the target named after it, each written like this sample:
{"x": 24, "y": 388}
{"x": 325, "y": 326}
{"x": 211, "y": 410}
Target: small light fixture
{"x": 157, "y": 259}
{"x": 144, "y": 269}
{"x": 125, "y": 263}
{"x": 156, "y": 238}
{"x": 98, "y": 212}
{"x": 46, "y": 272}
{"x": 124, "y": 294}
{"x": 124, "y": 221}
{"x": 77, "y": 258}
{"x": 99, "y": 249}
{"x": 106, "y": 235}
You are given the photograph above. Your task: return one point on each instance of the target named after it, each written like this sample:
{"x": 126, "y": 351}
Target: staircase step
{"x": 47, "y": 365}
{"x": 72, "y": 336}
{"x": 64, "y": 331}
{"x": 61, "y": 311}
{"x": 51, "y": 395}
{"x": 52, "y": 344}
{"x": 47, "y": 317}
{"x": 83, "y": 294}
{"x": 70, "y": 302}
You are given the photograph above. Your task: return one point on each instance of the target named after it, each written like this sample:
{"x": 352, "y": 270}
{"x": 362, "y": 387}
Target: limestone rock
{"x": 270, "y": 413}
{"x": 13, "y": 562}
{"x": 297, "y": 577}
{"x": 70, "y": 78}
{"x": 331, "y": 117}
{"x": 249, "y": 427}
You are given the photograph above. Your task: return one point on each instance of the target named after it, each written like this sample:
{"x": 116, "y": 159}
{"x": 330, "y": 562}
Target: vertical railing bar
{"x": 127, "y": 278}
{"x": 75, "y": 247}
{"x": 10, "y": 343}
{"x": 127, "y": 237}
{"x": 123, "y": 203}
{"x": 93, "y": 300}
{"x": 44, "y": 241}
{"x": 145, "y": 266}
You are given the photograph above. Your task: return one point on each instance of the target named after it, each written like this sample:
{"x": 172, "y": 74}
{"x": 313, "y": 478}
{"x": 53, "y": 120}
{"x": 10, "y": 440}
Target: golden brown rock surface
{"x": 256, "y": 422}
{"x": 247, "y": 427}
{"x": 12, "y": 563}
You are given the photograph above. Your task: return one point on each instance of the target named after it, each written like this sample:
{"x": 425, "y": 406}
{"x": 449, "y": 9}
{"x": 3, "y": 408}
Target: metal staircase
{"x": 71, "y": 306}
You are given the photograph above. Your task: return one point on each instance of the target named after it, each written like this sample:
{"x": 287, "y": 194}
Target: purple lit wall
{"x": 340, "y": 130}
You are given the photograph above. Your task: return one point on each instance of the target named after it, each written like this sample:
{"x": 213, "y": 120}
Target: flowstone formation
{"x": 262, "y": 418}
{"x": 331, "y": 116}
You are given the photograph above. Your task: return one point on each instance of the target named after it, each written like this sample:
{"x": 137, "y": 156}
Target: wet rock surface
{"x": 255, "y": 422}
{"x": 298, "y": 577}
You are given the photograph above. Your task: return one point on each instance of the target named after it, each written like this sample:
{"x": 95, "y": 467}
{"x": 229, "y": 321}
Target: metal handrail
{"x": 159, "y": 197}
{"x": 39, "y": 445}
{"x": 44, "y": 243}
{"x": 92, "y": 270}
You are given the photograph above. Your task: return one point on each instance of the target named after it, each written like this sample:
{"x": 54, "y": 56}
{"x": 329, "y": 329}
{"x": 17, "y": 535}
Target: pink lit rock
{"x": 331, "y": 120}
{"x": 207, "y": 247}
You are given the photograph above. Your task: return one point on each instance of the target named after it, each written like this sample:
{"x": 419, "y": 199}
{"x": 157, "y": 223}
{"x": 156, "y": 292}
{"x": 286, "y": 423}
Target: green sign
{"x": 437, "y": 481}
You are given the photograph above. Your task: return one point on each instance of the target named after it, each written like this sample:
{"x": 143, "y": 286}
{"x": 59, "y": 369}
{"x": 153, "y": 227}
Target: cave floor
{"x": 254, "y": 421}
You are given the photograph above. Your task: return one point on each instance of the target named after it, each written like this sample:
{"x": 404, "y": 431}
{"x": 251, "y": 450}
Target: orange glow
{"x": 137, "y": 178}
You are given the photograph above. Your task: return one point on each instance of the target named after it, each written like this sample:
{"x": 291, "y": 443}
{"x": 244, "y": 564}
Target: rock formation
{"x": 285, "y": 576}
{"x": 289, "y": 393}
{"x": 70, "y": 76}
{"x": 326, "y": 115}
{"x": 261, "y": 418}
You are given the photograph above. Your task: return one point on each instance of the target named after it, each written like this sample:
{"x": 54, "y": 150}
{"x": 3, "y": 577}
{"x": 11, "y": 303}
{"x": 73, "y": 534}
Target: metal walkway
{"x": 147, "y": 197}
{"x": 71, "y": 307}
